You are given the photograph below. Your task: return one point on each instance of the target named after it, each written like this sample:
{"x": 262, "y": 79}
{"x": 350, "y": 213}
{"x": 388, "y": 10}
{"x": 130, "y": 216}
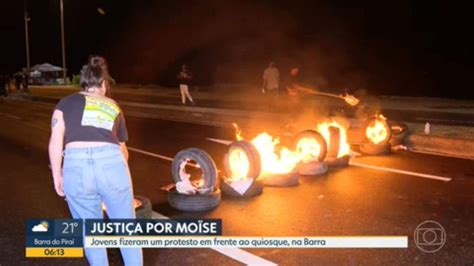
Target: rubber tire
{"x": 398, "y": 136}
{"x": 319, "y": 138}
{"x": 252, "y": 155}
{"x": 195, "y": 202}
{"x": 254, "y": 190}
{"x": 369, "y": 148}
{"x": 145, "y": 211}
{"x": 208, "y": 166}
{"x": 334, "y": 141}
{"x": 280, "y": 180}
{"x": 313, "y": 168}
{"x": 387, "y": 127}
{"x": 338, "y": 162}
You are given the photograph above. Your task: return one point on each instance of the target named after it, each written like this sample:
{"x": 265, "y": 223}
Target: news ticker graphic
{"x": 66, "y": 238}
{"x": 246, "y": 242}
{"x": 54, "y": 238}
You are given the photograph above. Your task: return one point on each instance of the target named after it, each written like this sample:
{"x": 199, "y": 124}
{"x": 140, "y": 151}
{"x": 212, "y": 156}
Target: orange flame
{"x": 279, "y": 161}
{"x": 308, "y": 149}
{"x": 238, "y": 132}
{"x": 273, "y": 161}
{"x": 377, "y": 132}
{"x": 239, "y": 165}
{"x": 323, "y": 128}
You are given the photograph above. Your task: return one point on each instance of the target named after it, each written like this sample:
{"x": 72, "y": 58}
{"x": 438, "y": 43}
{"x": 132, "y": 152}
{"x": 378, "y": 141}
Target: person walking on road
{"x": 185, "y": 78}
{"x": 25, "y": 81}
{"x": 92, "y": 129}
{"x": 271, "y": 79}
{"x": 3, "y": 89}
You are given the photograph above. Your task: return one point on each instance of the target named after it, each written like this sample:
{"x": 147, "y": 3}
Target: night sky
{"x": 419, "y": 48}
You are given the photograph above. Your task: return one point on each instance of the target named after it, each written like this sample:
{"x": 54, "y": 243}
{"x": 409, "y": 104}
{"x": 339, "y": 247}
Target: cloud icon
{"x": 42, "y": 227}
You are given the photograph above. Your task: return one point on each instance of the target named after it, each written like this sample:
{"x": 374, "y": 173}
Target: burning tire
{"x": 334, "y": 141}
{"x": 252, "y": 155}
{"x": 280, "y": 180}
{"x": 399, "y": 133}
{"x": 370, "y": 148}
{"x": 195, "y": 202}
{"x": 380, "y": 130}
{"x": 204, "y": 163}
{"x": 338, "y": 162}
{"x": 313, "y": 168}
{"x": 242, "y": 162}
{"x": 255, "y": 189}
{"x": 312, "y": 135}
{"x": 143, "y": 208}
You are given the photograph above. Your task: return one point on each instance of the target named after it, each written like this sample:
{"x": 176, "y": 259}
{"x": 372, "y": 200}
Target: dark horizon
{"x": 402, "y": 48}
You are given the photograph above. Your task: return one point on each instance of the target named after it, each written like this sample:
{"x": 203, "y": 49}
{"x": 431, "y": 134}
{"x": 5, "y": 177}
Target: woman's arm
{"x": 123, "y": 148}
{"x": 56, "y": 142}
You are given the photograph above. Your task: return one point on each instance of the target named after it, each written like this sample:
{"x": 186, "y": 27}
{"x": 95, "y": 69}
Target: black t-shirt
{"x": 292, "y": 84}
{"x": 91, "y": 118}
{"x": 185, "y": 77}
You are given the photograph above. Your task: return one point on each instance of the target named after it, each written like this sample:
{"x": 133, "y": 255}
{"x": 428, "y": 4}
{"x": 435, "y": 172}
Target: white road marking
{"x": 393, "y": 170}
{"x": 221, "y": 141}
{"x": 151, "y": 154}
{"x": 11, "y": 116}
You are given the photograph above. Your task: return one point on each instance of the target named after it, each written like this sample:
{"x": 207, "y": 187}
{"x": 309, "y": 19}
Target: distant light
{"x": 101, "y": 11}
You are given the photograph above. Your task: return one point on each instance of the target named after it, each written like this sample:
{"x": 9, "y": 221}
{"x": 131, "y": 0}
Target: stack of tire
{"x": 368, "y": 147}
{"x": 208, "y": 196}
{"x": 332, "y": 158}
{"x": 256, "y": 188}
{"x": 316, "y": 166}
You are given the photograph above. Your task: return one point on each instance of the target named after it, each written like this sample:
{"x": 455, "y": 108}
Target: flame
{"x": 377, "y": 132}
{"x": 239, "y": 165}
{"x": 238, "y": 132}
{"x": 308, "y": 149}
{"x": 323, "y": 128}
{"x": 273, "y": 161}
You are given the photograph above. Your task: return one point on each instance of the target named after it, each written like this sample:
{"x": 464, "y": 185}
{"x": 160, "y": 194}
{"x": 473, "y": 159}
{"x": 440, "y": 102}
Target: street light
{"x": 26, "y": 37}
{"x": 62, "y": 41}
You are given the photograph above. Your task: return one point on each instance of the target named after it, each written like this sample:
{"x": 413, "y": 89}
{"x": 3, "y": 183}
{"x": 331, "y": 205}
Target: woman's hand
{"x": 58, "y": 185}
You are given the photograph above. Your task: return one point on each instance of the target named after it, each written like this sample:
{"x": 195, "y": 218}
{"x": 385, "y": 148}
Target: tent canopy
{"x": 46, "y": 67}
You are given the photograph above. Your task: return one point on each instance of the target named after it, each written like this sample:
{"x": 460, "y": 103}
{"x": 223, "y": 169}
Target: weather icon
{"x": 41, "y": 227}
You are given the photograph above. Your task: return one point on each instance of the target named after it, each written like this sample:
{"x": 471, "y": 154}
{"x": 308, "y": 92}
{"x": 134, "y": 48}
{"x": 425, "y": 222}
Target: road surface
{"x": 346, "y": 201}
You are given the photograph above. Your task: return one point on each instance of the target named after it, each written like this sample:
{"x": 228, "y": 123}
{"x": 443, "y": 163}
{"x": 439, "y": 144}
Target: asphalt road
{"x": 322, "y": 104}
{"x": 345, "y": 201}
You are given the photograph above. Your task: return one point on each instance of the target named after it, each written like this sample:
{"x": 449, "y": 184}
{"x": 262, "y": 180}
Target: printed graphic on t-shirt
{"x": 99, "y": 113}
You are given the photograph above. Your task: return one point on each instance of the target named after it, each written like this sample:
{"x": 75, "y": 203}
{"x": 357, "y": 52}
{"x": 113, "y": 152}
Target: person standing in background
{"x": 3, "y": 89}
{"x": 271, "y": 79}
{"x": 25, "y": 81}
{"x": 185, "y": 78}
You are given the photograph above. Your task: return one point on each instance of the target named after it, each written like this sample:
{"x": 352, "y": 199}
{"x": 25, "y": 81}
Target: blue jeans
{"x": 95, "y": 175}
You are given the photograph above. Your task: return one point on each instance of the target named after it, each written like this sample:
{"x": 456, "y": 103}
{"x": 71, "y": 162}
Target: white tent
{"x": 46, "y": 67}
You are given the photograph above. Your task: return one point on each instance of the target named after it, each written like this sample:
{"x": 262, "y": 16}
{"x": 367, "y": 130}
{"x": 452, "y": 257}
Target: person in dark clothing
{"x": 3, "y": 90}
{"x": 295, "y": 89}
{"x": 185, "y": 78}
{"x": 17, "y": 83}
{"x": 24, "y": 80}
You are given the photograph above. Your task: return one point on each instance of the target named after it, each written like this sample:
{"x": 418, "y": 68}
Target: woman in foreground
{"x": 92, "y": 129}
